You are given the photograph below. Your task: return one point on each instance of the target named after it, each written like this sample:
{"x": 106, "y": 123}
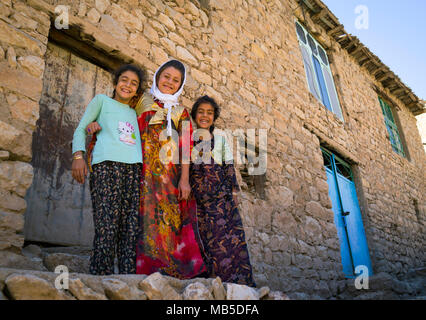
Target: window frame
{"x": 395, "y": 137}
{"x": 319, "y": 76}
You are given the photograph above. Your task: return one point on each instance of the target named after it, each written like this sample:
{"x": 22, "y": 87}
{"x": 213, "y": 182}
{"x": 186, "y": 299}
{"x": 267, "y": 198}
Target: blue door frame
{"x": 347, "y": 215}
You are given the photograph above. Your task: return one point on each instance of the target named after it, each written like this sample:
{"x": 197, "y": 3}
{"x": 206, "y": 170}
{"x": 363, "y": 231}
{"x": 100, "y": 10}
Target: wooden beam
{"x": 384, "y": 76}
{"x": 84, "y": 50}
{"x": 319, "y": 15}
{"x": 335, "y": 29}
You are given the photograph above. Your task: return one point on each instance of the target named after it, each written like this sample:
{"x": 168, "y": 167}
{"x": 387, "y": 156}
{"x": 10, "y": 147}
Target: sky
{"x": 396, "y": 34}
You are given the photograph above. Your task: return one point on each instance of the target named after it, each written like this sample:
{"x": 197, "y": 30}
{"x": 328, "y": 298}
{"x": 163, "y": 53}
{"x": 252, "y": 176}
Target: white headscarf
{"x": 168, "y": 100}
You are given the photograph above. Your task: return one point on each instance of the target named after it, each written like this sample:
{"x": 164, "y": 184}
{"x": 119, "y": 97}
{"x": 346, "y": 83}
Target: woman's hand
{"x": 184, "y": 189}
{"x": 235, "y": 197}
{"x": 93, "y": 127}
{"x": 79, "y": 168}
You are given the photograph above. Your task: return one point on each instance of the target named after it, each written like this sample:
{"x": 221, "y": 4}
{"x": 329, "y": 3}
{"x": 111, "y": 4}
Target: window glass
{"x": 318, "y": 72}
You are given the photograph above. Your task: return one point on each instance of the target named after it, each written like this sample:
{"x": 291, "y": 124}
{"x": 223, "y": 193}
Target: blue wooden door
{"x": 347, "y": 215}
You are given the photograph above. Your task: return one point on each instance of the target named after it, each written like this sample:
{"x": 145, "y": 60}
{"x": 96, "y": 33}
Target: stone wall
{"x": 23, "y": 40}
{"x": 246, "y": 55}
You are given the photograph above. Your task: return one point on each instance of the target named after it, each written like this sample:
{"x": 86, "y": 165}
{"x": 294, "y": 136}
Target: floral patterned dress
{"x": 169, "y": 242}
{"x": 219, "y": 221}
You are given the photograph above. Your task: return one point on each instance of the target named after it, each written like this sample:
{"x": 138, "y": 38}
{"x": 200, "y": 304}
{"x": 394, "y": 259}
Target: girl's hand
{"x": 79, "y": 170}
{"x": 184, "y": 189}
{"x": 93, "y": 127}
{"x": 235, "y": 197}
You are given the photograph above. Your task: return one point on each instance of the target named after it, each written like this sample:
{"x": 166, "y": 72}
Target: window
{"x": 318, "y": 72}
{"x": 392, "y": 128}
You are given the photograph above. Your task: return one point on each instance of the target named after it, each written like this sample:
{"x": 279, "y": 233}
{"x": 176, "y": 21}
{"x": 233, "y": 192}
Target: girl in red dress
{"x": 169, "y": 242}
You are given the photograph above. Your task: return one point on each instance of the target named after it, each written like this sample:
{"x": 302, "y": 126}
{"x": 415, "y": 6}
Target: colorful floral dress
{"x": 220, "y": 225}
{"x": 169, "y": 242}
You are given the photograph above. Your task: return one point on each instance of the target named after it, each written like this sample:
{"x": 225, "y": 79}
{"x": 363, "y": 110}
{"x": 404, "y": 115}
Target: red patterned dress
{"x": 169, "y": 241}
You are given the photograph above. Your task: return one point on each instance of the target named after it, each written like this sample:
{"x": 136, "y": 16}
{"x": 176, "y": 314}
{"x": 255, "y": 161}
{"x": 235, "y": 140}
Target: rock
{"x": 15, "y": 37}
{"x": 263, "y": 292}
{"x": 94, "y": 16}
{"x": 150, "y": 33}
{"x": 184, "y": 55}
{"x": 32, "y": 251}
{"x": 2, "y": 296}
{"x": 139, "y": 42}
{"x": 113, "y": 27}
{"x": 219, "y": 291}
{"x": 74, "y": 263}
{"x": 240, "y": 292}
{"x": 166, "y": 21}
{"x": 197, "y": 291}
{"x": 26, "y": 110}
{"x": 76, "y": 250}
{"x": 118, "y": 290}
{"x": 16, "y": 176}
{"x": 160, "y": 56}
{"x": 16, "y": 261}
{"x": 156, "y": 287}
{"x": 14, "y": 140}
{"x": 34, "y": 65}
{"x": 82, "y": 292}
{"x": 11, "y": 57}
{"x": 30, "y": 287}
{"x": 102, "y": 5}
{"x": 126, "y": 18}
{"x": 168, "y": 45}
{"x": 4, "y": 155}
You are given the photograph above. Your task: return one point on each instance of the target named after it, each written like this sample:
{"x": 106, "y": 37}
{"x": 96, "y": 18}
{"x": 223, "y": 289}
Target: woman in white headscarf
{"x": 169, "y": 241}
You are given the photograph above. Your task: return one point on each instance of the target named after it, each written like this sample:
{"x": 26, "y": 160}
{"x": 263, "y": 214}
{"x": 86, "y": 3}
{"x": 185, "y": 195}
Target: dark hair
{"x": 210, "y": 101}
{"x": 175, "y": 64}
{"x": 140, "y": 72}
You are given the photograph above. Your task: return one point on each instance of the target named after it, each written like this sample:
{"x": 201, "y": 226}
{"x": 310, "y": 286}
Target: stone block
{"x": 10, "y": 202}
{"x": 197, "y": 291}
{"x": 30, "y": 287}
{"x": 168, "y": 45}
{"x": 186, "y": 56}
{"x": 127, "y": 19}
{"x": 102, "y": 5}
{"x": 20, "y": 81}
{"x": 240, "y": 292}
{"x": 159, "y": 55}
{"x": 13, "y": 36}
{"x": 113, "y": 27}
{"x": 16, "y": 176}
{"x": 94, "y": 16}
{"x": 139, "y": 43}
{"x": 219, "y": 291}
{"x": 156, "y": 287}
{"x": 82, "y": 292}
{"x": 151, "y": 34}
{"x": 201, "y": 76}
{"x": 27, "y": 111}
{"x": 11, "y": 221}
{"x": 167, "y": 22}
{"x": 74, "y": 263}
{"x": 118, "y": 290}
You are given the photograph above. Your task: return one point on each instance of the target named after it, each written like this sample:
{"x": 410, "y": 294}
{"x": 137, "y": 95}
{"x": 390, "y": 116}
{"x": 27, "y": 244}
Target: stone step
{"x": 18, "y": 284}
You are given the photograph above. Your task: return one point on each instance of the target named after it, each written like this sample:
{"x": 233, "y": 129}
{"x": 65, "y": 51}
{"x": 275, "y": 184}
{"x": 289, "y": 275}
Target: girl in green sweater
{"x": 115, "y": 177}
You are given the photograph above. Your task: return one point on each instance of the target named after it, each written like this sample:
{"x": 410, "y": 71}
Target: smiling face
{"x": 169, "y": 80}
{"x": 204, "y": 117}
{"x": 126, "y": 87}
